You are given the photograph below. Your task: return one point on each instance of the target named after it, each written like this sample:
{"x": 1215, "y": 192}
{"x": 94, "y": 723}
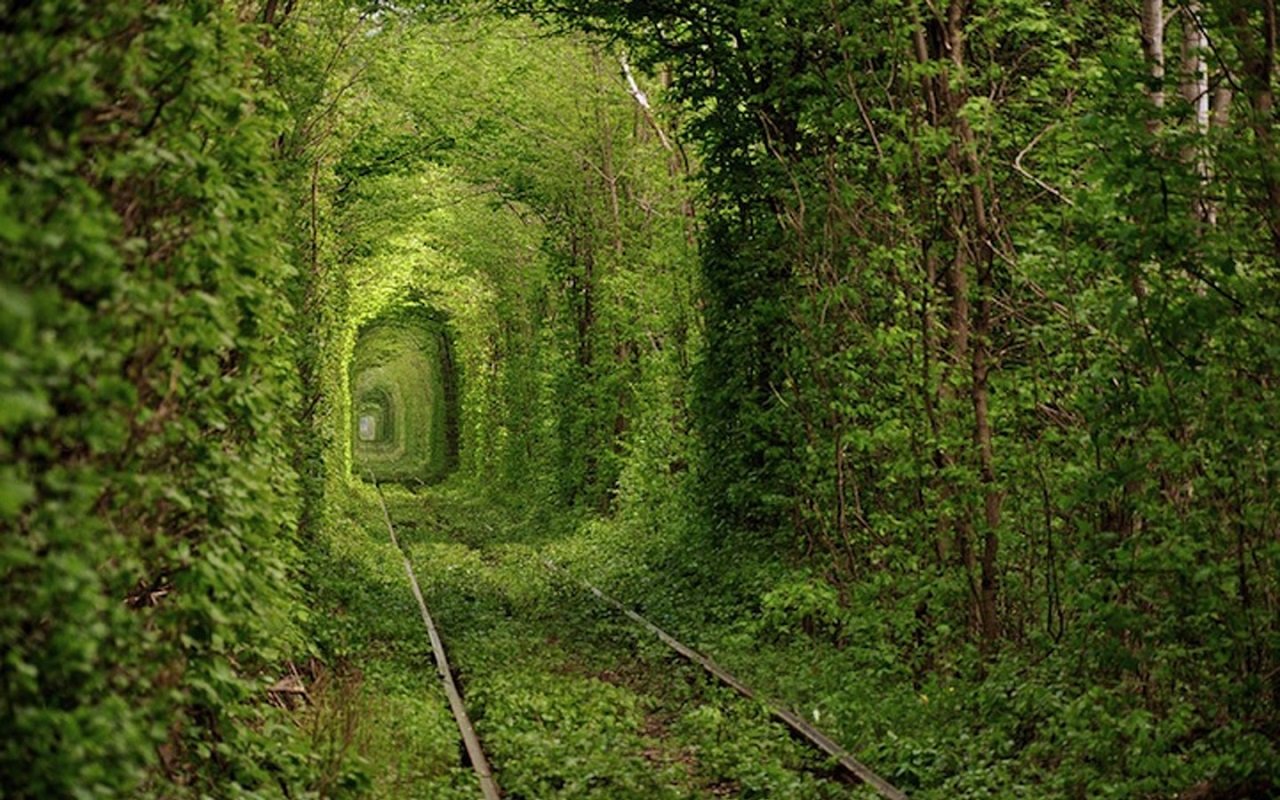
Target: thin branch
{"x": 642, "y": 100}
{"x": 1017, "y": 165}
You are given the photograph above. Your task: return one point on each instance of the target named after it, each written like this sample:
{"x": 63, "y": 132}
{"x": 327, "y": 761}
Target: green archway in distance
{"x": 404, "y": 397}
{"x": 375, "y": 419}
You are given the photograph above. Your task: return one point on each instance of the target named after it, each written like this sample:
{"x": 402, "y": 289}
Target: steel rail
{"x": 479, "y": 763}
{"x": 791, "y": 719}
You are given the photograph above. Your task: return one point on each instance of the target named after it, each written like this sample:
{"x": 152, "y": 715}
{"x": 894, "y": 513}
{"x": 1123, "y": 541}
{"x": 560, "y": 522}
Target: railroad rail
{"x": 475, "y": 754}
{"x": 791, "y": 719}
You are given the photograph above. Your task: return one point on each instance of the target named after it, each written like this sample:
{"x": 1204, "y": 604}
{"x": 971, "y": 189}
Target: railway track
{"x": 796, "y": 725}
{"x": 475, "y": 753}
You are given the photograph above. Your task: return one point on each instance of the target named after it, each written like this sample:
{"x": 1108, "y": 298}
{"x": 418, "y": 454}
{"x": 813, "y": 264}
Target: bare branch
{"x": 642, "y": 100}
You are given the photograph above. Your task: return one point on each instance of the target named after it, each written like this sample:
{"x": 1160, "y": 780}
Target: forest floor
{"x": 570, "y": 699}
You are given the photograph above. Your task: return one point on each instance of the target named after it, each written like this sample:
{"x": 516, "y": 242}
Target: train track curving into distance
{"x": 797, "y": 725}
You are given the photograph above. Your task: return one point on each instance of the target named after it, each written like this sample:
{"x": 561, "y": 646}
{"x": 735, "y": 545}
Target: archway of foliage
{"x": 510, "y": 180}
{"x": 412, "y": 290}
{"x": 403, "y": 388}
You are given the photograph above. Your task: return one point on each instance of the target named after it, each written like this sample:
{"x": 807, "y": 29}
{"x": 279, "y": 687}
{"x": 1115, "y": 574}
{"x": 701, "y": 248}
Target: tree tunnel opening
{"x": 404, "y": 397}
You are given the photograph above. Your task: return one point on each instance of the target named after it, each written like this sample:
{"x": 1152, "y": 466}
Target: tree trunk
{"x": 1195, "y": 91}
{"x": 971, "y": 232}
{"x": 975, "y": 234}
{"x": 1153, "y": 49}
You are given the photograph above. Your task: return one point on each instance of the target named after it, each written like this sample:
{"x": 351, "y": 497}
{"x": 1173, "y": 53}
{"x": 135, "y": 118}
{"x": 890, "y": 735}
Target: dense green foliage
{"x": 991, "y": 292}
{"x": 404, "y": 391}
{"x": 147, "y": 500}
{"x": 918, "y": 359}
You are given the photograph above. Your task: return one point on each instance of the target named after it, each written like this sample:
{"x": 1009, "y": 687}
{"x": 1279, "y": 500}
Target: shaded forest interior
{"x": 916, "y": 358}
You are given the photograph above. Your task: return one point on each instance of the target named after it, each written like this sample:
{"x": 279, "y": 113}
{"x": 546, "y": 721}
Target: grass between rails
{"x": 570, "y": 699}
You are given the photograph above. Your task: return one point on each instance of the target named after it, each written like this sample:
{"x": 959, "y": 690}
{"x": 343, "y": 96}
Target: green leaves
{"x": 145, "y": 518}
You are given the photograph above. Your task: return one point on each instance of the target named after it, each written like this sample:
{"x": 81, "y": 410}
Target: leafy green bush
{"x": 803, "y": 605}
{"x": 147, "y": 498}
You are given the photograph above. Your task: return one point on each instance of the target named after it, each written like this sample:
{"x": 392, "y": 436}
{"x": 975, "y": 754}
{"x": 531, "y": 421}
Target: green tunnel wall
{"x": 404, "y": 398}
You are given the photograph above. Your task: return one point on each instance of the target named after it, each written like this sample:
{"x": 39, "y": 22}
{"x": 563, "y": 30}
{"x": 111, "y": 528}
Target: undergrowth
{"x": 1013, "y": 728}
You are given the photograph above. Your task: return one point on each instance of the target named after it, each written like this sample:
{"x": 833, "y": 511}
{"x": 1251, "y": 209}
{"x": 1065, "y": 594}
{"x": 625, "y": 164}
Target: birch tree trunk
{"x": 1195, "y": 91}
{"x": 1153, "y": 49}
